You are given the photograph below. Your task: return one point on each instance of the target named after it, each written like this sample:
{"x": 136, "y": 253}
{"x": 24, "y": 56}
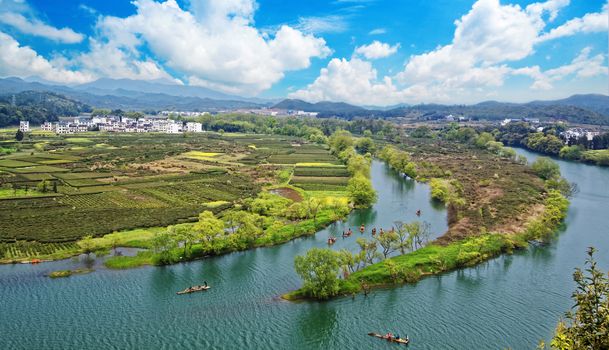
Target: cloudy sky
{"x": 365, "y": 52}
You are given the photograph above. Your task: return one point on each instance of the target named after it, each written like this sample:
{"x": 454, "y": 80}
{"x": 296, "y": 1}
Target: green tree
{"x": 387, "y": 241}
{"x": 42, "y": 186}
{"x": 340, "y": 141}
{"x": 587, "y": 325}
{"x": 19, "y": 135}
{"x": 162, "y": 244}
{"x": 574, "y": 152}
{"x": 319, "y": 270}
{"x": 365, "y": 145}
{"x": 360, "y": 190}
{"x": 87, "y": 244}
{"x": 208, "y": 227}
{"x": 359, "y": 164}
{"x": 546, "y": 168}
{"x": 483, "y": 139}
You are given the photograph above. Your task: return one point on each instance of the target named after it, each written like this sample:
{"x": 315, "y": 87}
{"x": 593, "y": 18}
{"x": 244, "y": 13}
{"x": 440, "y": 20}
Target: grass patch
{"x": 11, "y": 163}
{"x": 129, "y": 262}
{"x": 79, "y": 140}
{"x": 68, "y": 273}
{"x": 39, "y": 169}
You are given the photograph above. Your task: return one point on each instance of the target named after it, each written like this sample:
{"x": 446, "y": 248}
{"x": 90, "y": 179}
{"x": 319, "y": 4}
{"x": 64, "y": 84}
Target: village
{"x": 118, "y": 124}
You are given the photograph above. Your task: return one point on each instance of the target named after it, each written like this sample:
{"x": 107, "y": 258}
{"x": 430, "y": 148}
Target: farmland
{"x": 55, "y": 190}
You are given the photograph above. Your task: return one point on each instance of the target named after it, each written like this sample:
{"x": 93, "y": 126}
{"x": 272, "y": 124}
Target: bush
{"x": 545, "y": 168}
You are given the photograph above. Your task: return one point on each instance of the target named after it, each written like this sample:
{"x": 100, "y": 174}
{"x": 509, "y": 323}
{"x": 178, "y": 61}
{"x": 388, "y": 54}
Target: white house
{"x": 46, "y": 126}
{"x": 24, "y": 126}
{"x": 194, "y": 127}
{"x": 173, "y": 128}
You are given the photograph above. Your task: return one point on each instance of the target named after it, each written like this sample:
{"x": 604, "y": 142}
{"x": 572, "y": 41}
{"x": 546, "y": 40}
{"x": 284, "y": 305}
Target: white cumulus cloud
{"x": 17, "y": 60}
{"x": 353, "y": 81}
{"x": 216, "y": 46}
{"x": 589, "y": 23}
{"x": 473, "y": 66}
{"x": 38, "y": 28}
{"x": 377, "y": 49}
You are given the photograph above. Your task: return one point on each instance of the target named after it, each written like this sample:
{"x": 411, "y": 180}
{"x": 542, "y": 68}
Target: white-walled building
{"x": 173, "y": 128}
{"x": 24, "y": 126}
{"x": 194, "y": 127}
{"x": 47, "y": 126}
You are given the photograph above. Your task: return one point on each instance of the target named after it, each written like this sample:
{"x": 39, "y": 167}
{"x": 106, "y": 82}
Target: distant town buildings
{"x": 575, "y": 134}
{"x": 24, "y": 126}
{"x": 183, "y": 113}
{"x": 277, "y": 112}
{"x": 111, "y": 123}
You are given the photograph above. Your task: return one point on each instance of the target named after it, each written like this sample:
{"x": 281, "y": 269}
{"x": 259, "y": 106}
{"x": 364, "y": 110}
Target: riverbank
{"x": 273, "y": 236}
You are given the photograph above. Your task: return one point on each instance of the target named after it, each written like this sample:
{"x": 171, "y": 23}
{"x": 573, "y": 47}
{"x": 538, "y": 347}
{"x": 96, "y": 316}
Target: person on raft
{"x": 362, "y": 228}
{"x": 419, "y": 212}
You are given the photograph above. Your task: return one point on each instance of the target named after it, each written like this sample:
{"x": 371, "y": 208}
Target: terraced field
{"x": 138, "y": 181}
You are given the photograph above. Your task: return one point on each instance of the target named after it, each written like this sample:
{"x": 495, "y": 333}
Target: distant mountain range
{"x": 137, "y": 95}
{"x": 320, "y": 107}
{"x": 165, "y": 95}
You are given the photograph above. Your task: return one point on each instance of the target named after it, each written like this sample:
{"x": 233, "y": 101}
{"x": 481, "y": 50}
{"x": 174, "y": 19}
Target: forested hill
{"x": 37, "y": 107}
{"x": 582, "y": 109}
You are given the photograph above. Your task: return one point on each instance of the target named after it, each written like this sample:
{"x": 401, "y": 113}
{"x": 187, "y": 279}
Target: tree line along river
{"x": 512, "y": 301}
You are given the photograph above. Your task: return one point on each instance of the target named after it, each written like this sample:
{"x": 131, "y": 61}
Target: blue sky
{"x": 366, "y": 52}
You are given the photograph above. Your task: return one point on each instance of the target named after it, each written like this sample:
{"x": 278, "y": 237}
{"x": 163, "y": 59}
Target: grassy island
{"x": 495, "y": 204}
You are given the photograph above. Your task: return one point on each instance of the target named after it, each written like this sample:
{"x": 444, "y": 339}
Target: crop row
{"x": 320, "y": 180}
{"x": 303, "y": 158}
{"x": 30, "y": 249}
{"x": 321, "y": 171}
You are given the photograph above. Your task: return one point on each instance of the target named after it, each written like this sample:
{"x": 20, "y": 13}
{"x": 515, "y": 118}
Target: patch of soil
{"x": 287, "y": 193}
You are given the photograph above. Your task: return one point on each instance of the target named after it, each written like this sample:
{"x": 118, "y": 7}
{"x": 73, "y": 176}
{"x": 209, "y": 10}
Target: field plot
{"x": 12, "y": 163}
{"x": 320, "y": 177}
{"x": 39, "y": 169}
{"x": 115, "y": 187}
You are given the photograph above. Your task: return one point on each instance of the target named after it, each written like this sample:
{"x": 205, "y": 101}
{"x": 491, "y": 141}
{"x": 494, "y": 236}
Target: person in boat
{"x": 362, "y": 228}
{"x": 389, "y": 336}
{"x": 397, "y": 337}
{"x": 374, "y": 231}
{"x": 381, "y": 232}
{"x": 205, "y": 284}
{"x": 349, "y": 232}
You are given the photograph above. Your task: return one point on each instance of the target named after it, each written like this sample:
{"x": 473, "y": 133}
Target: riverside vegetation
{"x": 495, "y": 204}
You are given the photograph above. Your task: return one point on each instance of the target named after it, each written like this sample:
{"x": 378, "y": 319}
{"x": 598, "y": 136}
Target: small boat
{"x": 193, "y": 289}
{"x": 331, "y": 240}
{"x": 404, "y": 341}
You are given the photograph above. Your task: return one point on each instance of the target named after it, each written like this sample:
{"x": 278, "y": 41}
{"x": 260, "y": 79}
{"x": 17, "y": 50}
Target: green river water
{"x": 512, "y": 301}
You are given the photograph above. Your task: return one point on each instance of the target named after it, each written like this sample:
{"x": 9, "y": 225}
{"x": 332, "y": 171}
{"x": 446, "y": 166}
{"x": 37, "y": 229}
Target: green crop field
{"x": 139, "y": 181}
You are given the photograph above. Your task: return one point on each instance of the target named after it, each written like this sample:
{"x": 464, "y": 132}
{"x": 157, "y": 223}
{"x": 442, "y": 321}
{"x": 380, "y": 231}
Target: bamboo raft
{"x": 392, "y": 339}
{"x": 193, "y": 290}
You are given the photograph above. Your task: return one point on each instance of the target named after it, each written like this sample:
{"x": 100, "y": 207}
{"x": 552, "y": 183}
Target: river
{"x": 512, "y": 301}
